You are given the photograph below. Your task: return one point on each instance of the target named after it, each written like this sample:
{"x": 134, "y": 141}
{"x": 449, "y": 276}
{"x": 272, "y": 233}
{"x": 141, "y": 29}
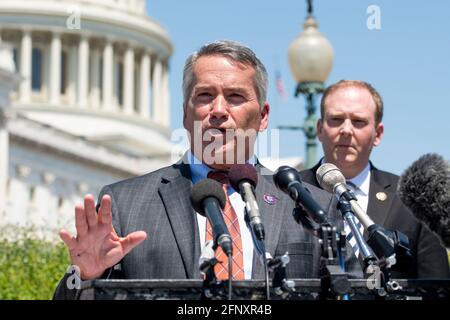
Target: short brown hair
{"x": 355, "y": 83}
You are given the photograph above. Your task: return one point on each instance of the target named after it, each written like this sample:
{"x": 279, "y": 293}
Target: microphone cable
{"x": 261, "y": 249}
{"x": 230, "y": 276}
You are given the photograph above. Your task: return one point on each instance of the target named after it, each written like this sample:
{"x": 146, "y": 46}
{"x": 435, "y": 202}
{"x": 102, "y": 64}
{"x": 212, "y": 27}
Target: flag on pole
{"x": 280, "y": 86}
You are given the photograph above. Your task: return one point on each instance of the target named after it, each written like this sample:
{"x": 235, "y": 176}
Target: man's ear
{"x": 184, "y": 115}
{"x": 264, "y": 117}
{"x": 319, "y": 128}
{"x": 379, "y": 132}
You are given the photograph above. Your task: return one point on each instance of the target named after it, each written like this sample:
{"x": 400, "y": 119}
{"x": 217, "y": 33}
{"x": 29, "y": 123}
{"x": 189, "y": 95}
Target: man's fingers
{"x": 70, "y": 241}
{"x": 132, "y": 240}
{"x": 91, "y": 212}
{"x": 104, "y": 212}
{"x": 80, "y": 220}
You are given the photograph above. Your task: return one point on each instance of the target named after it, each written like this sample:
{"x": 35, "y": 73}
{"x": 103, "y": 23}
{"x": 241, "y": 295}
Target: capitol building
{"x": 84, "y": 102}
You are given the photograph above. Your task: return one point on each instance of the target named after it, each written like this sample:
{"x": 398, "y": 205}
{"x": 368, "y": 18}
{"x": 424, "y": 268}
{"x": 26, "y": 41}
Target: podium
{"x": 305, "y": 289}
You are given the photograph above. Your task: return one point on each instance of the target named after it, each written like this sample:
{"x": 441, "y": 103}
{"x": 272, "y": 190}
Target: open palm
{"x": 97, "y": 246}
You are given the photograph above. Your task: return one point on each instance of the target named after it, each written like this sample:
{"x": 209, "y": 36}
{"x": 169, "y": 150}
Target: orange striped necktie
{"x": 232, "y": 223}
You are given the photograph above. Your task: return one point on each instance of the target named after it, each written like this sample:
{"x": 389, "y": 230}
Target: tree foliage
{"x": 30, "y": 266}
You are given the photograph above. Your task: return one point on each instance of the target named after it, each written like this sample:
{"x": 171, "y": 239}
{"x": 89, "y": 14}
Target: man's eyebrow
{"x": 335, "y": 113}
{"x": 202, "y": 87}
{"x": 238, "y": 89}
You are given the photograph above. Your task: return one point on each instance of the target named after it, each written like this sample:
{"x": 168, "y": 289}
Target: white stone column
{"x": 94, "y": 95}
{"x": 8, "y": 81}
{"x": 117, "y": 103}
{"x": 83, "y": 71}
{"x": 157, "y": 107}
{"x": 144, "y": 86}
{"x": 55, "y": 68}
{"x": 72, "y": 60}
{"x": 128, "y": 81}
{"x": 107, "y": 85}
{"x": 17, "y": 212}
{"x": 166, "y": 96}
{"x": 4, "y": 160}
{"x": 25, "y": 67}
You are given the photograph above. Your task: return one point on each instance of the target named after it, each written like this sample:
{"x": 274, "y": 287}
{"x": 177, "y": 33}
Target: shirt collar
{"x": 362, "y": 180}
{"x": 199, "y": 170}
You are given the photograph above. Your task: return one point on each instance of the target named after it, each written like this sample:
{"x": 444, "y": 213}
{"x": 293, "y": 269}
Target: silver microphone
{"x": 331, "y": 179}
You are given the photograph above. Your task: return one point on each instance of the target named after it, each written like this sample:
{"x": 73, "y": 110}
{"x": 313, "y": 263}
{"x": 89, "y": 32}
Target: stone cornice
{"x": 50, "y": 139}
{"x": 95, "y": 20}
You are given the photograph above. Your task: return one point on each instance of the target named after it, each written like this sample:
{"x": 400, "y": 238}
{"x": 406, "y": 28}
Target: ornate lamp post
{"x": 310, "y": 61}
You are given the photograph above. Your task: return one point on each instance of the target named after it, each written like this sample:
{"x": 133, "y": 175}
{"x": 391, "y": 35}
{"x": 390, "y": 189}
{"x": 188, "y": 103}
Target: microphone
{"x": 424, "y": 188}
{"x": 208, "y": 199}
{"x": 383, "y": 242}
{"x": 288, "y": 180}
{"x": 331, "y": 179}
{"x": 243, "y": 178}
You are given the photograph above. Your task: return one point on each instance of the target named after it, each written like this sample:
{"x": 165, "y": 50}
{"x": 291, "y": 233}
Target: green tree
{"x": 30, "y": 266}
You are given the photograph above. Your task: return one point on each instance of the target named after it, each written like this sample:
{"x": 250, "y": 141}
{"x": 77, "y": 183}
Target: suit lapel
{"x": 270, "y": 218}
{"x": 175, "y": 193}
{"x": 381, "y": 195}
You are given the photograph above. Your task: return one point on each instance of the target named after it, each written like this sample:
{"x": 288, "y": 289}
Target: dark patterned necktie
{"x": 231, "y": 220}
{"x": 349, "y": 234}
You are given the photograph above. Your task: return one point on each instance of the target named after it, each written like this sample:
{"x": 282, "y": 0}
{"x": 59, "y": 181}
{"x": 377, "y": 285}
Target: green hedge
{"x": 30, "y": 267}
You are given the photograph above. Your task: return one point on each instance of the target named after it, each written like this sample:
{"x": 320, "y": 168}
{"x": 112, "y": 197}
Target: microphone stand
{"x": 367, "y": 255}
{"x": 281, "y": 285}
{"x": 261, "y": 250}
{"x": 276, "y": 266}
{"x": 334, "y": 281}
{"x": 211, "y": 286}
{"x": 383, "y": 242}
{"x": 207, "y": 262}
{"x": 391, "y": 246}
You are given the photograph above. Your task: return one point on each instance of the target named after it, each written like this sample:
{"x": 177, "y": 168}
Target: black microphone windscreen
{"x": 284, "y": 176}
{"x": 424, "y": 188}
{"x": 239, "y": 172}
{"x": 204, "y": 189}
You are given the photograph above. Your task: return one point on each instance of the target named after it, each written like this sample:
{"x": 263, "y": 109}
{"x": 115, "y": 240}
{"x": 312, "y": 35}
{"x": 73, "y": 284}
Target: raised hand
{"x": 96, "y": 246}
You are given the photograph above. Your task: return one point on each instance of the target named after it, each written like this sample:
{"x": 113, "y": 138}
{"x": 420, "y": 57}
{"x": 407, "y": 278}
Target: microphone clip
{"x": 206, "y": 264}
{"x": 386, "y": 243}
{"x": 280, "y": 283}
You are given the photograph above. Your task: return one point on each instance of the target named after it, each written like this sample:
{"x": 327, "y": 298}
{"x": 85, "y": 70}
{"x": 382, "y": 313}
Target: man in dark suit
{"x": 349, "y": 127}
{"x": 146, "y": 226}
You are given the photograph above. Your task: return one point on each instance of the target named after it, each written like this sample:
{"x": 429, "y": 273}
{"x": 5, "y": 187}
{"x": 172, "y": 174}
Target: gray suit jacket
{"x": 159, "y": 204}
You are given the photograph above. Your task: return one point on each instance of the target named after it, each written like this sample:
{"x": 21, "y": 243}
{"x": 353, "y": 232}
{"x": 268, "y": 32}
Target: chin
{"x": 344, "y": 162}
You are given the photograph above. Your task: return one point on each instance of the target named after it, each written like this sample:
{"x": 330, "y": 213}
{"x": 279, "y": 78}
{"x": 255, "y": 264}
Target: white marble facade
{"x": 91, "y": 104}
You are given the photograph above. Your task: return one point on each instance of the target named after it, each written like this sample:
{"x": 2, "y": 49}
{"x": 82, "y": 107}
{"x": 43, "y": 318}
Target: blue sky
{"x": 407, "y": 61}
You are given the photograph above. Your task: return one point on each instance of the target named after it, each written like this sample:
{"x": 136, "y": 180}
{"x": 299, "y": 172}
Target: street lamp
{"x": 310, "y": 61}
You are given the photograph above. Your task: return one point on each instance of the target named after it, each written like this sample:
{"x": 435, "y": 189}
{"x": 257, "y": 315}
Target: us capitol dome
{"x": 84, "y": 102}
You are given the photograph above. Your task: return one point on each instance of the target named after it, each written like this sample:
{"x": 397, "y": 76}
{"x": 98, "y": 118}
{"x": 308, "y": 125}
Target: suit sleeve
{"x": 432, "y": 260}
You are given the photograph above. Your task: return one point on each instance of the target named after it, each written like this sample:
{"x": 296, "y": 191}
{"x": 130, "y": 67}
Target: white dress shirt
{"x": 362, "y": 181}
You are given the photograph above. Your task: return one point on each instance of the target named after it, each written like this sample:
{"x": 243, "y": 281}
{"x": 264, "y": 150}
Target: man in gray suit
{"x": 146, "y": 226}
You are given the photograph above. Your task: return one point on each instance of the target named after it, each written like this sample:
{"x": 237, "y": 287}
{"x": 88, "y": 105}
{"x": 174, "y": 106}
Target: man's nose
{"x": 346, "y": 127}
{"x": 219, "y": 107}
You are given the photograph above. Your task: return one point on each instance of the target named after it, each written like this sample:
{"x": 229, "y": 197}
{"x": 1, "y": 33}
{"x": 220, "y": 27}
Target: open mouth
{"x": 216, "y": 131}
